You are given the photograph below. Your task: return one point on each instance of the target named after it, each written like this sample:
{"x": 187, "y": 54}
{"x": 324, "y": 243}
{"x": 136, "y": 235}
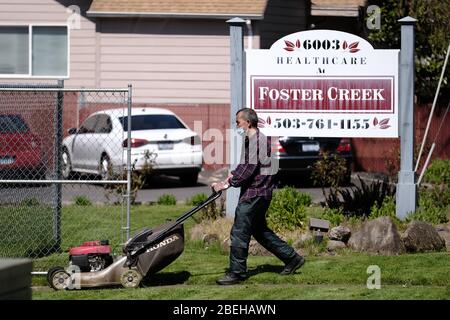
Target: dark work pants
{"x": 250, "y": 220}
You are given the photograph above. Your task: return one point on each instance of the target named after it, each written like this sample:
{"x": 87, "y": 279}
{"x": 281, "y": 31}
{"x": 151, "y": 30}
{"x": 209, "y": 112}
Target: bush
{"x": 212, "y": 211}
{"x": 386, "y": 209}
{"x": 287, "y": 210}
{"x": 437, "y": 196}
{"x": 197, "y": 199}
{"x": 82, "y": 201}
{"x": 429, "y": 209}
{"x": 432, "y": 215}
{"x": 358, "y": 201}
{"x": 432, "y": 208}
{"x": 139, "y": 179}
{"x": 167, "y": 200}
{"x": 335, "y": 216}
{"x": 331, "y": 171}
{"x": 438, "y": 172}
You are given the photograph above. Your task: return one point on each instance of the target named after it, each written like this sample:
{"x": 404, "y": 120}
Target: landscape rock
{"x": 340, "y": 233}
{"x": 441, "y": 227}
{"x": 444, "y": 232}
{"x": 377, "y": 236}
{"x": 445, "y": 235}
{"x": 421, "y": 236}
{"x": 333, "y": 245}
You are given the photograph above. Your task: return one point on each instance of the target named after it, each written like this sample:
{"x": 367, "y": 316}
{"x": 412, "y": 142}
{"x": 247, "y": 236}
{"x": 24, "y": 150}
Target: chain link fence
{"x": 64, "y": 170}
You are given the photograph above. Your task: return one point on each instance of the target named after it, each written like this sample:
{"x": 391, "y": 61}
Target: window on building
{"x": 34, "y": 51}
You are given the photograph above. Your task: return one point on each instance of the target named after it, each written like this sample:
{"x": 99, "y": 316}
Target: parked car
{"x": 99, "y": 146}
{"x": 297, "y": 155}
{"x": 20, "y": 149}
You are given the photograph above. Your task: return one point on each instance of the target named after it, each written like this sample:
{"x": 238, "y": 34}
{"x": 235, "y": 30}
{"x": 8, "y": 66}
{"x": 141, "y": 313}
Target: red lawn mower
{"x": 149, "y": 251}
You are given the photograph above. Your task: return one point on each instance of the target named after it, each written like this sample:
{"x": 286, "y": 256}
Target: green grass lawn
{"x": 193, "y": 274}
{"x": 26, "y": 230}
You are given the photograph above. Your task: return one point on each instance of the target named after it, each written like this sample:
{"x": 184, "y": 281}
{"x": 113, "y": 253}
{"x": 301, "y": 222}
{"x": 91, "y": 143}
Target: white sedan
{"x": 158, "y": 137}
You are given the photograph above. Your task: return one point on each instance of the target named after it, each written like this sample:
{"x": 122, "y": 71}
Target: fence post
{"x": 406, "y": 187}
{"x": 129, "y": 102}
{"x": 57, "y": 159}
{"x": 237, "y": 102}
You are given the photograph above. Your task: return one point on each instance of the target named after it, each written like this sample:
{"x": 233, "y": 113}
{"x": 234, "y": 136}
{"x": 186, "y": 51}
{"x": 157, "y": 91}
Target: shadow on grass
{"x": 264, "y": 269}
{"x": 166, "y": 278}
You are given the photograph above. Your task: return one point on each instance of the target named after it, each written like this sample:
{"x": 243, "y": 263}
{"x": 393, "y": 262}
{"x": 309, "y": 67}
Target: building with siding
{"x": 172, "y": 52}
{"x": 176, "y": 53}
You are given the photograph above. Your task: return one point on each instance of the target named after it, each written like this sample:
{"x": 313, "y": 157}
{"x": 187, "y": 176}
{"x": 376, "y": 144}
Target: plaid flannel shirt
{"x": 253, "y": 173}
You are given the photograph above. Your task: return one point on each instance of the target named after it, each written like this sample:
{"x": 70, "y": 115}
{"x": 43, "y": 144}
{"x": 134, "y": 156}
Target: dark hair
{"x": 249, "y": 115}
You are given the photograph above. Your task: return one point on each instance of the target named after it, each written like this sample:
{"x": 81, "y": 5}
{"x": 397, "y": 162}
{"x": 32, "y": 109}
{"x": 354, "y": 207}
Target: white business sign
{"x": 324, "y": 83}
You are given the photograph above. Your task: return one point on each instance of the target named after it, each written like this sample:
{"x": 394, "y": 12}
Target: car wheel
{"x": 66, "y": 165}
{"x": 105, "y": 168}
{"x": 189, "y": 178}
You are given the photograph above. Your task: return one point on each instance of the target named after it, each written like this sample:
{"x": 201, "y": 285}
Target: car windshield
{"x": 152, "y": 122}
{"x": 12, "y": 124}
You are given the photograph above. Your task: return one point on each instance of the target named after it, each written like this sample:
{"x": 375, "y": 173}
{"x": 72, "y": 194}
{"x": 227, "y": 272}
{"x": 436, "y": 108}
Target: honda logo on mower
{"x": 163, "y": 243}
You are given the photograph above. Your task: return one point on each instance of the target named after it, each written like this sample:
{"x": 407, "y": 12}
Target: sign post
{"x": 406, "y": 197}
{"x": 237, "y": 102}
{"x": 326, "y": 83}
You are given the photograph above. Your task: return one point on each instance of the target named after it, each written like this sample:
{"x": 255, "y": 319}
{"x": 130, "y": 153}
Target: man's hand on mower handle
{"x": 223, "y": 185}
{"x": 217, "y": 186}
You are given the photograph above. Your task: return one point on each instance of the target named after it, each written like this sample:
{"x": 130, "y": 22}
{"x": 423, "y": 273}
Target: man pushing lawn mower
{"x": 151, "y": 250}
{"x": 255, "y": 178}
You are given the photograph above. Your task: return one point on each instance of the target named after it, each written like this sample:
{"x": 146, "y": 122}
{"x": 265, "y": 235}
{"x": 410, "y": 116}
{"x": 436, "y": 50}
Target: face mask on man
{"x": 241, "y": 131}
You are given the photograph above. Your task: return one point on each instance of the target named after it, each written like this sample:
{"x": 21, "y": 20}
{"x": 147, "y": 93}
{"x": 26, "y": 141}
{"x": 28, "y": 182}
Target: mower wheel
{"x": 130, "y": 278}
{"x": 58, "y": 278}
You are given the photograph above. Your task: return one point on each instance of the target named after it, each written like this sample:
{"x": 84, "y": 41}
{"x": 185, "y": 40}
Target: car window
{"x": 103, "y": 124}
{"x": 152, "y": 122}
{"x": 88, "y": 126}
{"x": 12, "y": 124}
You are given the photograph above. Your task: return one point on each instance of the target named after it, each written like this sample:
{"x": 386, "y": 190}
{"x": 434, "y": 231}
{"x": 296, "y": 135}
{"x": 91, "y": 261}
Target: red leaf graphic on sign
{"x": 289, "y": 49}
{"x": 385, "y": 126}
{"x": 345, "y": 45}
{"x": 384, "y": 122}
{"x": 354, "y": 50}
{"x": 269, "y": 121}
{"x": 354, "y": 45}
{"x": 261, "y": 123}
{"x": 289, "y": 44}
{"x": 297, "y": 43}
{"x": 375, "y": 121}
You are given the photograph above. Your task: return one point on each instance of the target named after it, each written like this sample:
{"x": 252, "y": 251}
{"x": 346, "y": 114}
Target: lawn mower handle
{"x": 212, "y": 197}
{"x": 132, "y": 255}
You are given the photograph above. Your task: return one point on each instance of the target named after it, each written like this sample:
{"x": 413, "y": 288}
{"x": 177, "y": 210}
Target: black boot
{"x": 293, "y": 265}
{"x": 238, "y": 267}
{"x": 230, "y": 278}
